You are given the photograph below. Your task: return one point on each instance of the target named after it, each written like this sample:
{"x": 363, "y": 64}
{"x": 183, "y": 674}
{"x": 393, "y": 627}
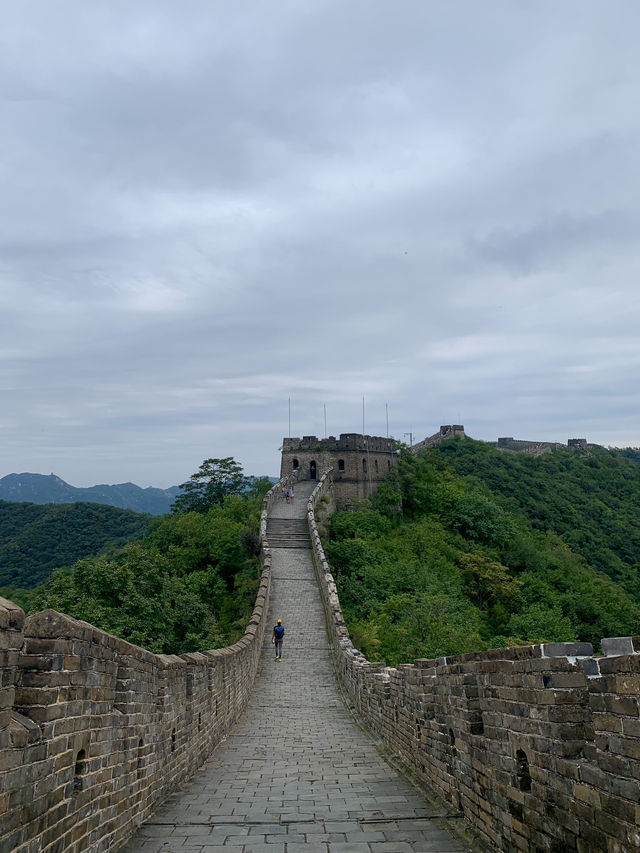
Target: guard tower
{"x": 358, "y": 462}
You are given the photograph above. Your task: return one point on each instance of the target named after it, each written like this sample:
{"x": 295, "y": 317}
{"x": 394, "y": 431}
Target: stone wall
{"x": 359, "y": 462}
{"x": 517, "y": 445}
{"x": 445, "y": 432}
{"x": 537, "y": 746}
{"x": 95, "y": 732}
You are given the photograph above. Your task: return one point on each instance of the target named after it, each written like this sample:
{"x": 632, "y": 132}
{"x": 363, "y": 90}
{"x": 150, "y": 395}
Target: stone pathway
{"x": 296, "y": 774}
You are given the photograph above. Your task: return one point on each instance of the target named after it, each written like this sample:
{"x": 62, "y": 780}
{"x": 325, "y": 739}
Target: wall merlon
{"x": 620, "y": 645}
{"x": 11, "y": 616}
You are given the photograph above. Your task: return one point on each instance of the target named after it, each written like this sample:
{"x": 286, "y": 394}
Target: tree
{"x": 214, "y": 480}
{"x": 487, "y": 582}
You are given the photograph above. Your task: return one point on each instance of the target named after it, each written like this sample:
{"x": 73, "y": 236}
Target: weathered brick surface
{"x": 94, "y": 731}
{"x": 359, "y": 462}
{"x": 538, "y": 746}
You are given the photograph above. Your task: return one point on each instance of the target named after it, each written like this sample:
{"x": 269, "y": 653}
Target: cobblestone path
{"x": 296, "y": 774}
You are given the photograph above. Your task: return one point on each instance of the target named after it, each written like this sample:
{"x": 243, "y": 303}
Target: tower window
{"x": 295, "y": 464}
{"x": 340, "y": 464}
{"x": 364, "y": 466}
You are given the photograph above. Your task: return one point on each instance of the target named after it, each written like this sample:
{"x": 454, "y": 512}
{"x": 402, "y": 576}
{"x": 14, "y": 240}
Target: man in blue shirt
{"x": 277, "y": 637}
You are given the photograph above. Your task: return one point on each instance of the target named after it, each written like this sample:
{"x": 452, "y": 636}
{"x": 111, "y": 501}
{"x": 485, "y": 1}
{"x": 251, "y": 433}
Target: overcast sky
{"x": 208, "y": 208}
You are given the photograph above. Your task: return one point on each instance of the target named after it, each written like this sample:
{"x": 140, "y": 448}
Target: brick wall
{"x": 94, "y": 731}
{"x": 359, "y": 462}
{"x": 538, "y": 746}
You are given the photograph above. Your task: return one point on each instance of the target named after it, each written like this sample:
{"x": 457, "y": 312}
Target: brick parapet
{"x": 95, "y": 731}
{"x": 538, "y": 746}
{"x": 445, "y": 432}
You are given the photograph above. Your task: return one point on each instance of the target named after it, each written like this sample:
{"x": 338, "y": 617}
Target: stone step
{"x": 276, "y": 534}
{"x": 288, "y": 533}
{"x": 287, "y": 523}
{"x": 288, "y": 543}
{"x": 279, "y": 539}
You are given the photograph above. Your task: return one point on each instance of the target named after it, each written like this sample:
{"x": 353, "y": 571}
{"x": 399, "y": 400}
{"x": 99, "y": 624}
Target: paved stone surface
{"x": 296, "y": 774}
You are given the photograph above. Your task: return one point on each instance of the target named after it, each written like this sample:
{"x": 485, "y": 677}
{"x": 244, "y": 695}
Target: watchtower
{"x": 359, "y": 462}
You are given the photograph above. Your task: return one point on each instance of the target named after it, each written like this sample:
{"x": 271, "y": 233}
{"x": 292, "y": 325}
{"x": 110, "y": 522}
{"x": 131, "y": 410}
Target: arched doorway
{"x": 312, "y": 470}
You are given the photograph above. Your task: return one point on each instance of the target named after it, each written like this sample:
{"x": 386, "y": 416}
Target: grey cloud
{"x": 207, "y": 209}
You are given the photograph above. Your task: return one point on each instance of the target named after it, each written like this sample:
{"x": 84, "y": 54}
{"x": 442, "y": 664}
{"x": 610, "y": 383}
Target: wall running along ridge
{"x": 95, "y": 732}
{"x": 538, "y": 746}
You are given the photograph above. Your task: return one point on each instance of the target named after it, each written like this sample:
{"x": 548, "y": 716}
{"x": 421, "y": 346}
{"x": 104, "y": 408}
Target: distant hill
{"x": 632, "y": 453}
{"x": 35, "y": 540}
{"x": 592, "y": 501}
{"x": 50, "y": 489}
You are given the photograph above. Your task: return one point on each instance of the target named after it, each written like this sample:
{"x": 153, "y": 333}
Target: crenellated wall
{"x": 538, "y": 746}
{"x": 95, "y": 732}
{"x": 446, "y": 431}
{"x": 359, "y": 462}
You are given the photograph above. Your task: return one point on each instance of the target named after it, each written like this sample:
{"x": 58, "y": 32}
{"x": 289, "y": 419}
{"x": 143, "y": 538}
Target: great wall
{"x": 534, "y": 749}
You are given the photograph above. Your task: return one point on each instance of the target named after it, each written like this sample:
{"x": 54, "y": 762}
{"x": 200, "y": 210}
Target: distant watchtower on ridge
{"x": 359, "y": 462}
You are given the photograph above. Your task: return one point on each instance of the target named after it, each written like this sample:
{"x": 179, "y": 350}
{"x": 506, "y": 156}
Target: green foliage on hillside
{"x": 213, "y": 481}
{"x": 462, "y": 567}
{"x": 189, "y": 585}
{"x": 628, "y": 452}
{"x": 36, "y": 539}
{"x": 592, "y": 502}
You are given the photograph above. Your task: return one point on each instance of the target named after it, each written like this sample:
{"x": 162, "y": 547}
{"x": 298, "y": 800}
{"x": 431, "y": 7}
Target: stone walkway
{"x": 296, "y": 774}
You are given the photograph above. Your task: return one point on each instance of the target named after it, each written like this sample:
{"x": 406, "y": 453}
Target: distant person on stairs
{"x": 277, "y": 637}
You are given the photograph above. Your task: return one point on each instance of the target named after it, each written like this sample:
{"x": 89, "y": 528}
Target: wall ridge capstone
{"x": 95, "y": 731}
{"x": 537, "y": 746}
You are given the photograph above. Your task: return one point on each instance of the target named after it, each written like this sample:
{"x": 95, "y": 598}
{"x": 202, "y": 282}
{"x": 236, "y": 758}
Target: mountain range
{"x": 45, "y": 489}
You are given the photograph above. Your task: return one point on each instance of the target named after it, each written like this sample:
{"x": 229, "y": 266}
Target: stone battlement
{"x": 359, "y": 462}
{"x": 445, "y": 432}
{"x": 536, "y": 448}
{"x": 348, "y": 441}
{"x": 508, "y": 443}
{"x": 537, "y": 746}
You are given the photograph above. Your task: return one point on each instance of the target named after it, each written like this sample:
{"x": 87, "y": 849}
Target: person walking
{"x": 277, "y": 637}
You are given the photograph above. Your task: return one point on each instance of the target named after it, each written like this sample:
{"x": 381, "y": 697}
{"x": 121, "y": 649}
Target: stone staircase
{"x": 288, "y": 533}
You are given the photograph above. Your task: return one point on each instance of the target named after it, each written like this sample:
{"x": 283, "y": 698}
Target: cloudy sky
{"x": 208, "y": 208}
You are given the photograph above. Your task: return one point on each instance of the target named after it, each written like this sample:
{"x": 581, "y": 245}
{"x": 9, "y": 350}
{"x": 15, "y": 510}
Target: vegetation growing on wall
{"x": 190, "y": 584}
{"x": 461, "y": 566}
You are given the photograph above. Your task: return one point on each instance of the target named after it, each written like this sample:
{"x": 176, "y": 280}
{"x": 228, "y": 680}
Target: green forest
{"x": 468, "y": 547}
{"x": 188, "y": 584}
{"x": 465, "y": 547}
{"x": 36, "y": 539}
